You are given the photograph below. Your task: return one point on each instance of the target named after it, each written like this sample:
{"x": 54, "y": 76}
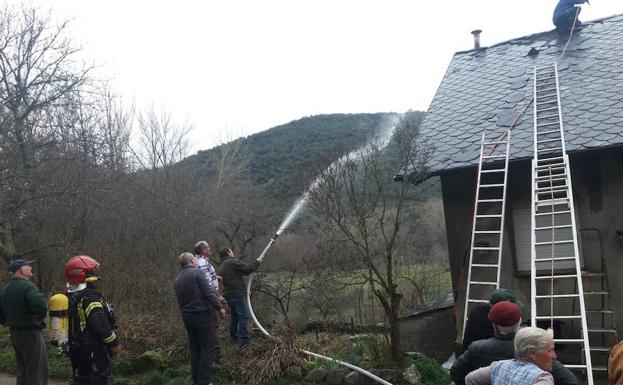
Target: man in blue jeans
{"x": 233, "y": 271}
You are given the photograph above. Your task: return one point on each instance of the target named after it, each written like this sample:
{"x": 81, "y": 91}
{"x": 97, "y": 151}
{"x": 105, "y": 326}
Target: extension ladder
{"x": 555, "y": 262}
{"x": 483, "y": 275}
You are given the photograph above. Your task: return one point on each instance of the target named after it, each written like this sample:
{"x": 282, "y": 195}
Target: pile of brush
{"x": 266, "y": 359}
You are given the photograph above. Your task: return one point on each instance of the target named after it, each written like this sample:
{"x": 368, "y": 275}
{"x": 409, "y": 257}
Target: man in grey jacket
{"x": 198, "y": 302}
{"x": 233, "y": 271}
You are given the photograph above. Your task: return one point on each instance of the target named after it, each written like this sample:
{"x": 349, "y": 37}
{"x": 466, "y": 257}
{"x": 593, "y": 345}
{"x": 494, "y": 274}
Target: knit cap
{"x": 505, "y": 313}
{"x": 504, "y": 295}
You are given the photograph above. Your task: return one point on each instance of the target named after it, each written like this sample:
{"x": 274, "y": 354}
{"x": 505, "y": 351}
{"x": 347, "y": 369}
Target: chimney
{"x": 476, "y": 34}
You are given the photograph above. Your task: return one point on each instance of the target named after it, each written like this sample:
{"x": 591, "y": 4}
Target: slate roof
{"x": 484, "y": 89}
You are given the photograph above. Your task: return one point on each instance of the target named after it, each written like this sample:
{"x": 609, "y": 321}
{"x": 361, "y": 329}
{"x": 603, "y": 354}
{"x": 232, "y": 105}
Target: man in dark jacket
{"x": 198, "y": 303}
{"x": 23, "y": 310}
{"x": 478, "y": 326}
{"x": 505, "y": 317}
{"x": 565, "y": 14}
{"x": 233, "y": 272}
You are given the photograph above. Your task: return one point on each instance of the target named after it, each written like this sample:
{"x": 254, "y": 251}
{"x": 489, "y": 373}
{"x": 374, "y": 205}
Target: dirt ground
{"x": 9, "y": 379}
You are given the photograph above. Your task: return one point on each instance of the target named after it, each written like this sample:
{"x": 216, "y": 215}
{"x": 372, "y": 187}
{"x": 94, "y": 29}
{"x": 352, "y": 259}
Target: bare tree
{"x": 362, "y": 209}
{"x": 38, "y": 70}
{"x": 162, "y": 141}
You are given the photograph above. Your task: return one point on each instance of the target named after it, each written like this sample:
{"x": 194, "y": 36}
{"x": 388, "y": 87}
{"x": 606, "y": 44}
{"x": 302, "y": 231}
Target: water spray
{"x": 383, "y": 141}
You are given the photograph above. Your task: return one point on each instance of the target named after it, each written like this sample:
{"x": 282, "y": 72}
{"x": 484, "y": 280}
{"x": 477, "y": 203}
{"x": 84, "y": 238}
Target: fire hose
{"x": 312, "y": 354}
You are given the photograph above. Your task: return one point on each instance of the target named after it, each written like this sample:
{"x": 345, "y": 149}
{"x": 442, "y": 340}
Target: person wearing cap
{"x": 478, "y": 326}
{"x": 505, "y": 318}
{"x": 23, "y": 309}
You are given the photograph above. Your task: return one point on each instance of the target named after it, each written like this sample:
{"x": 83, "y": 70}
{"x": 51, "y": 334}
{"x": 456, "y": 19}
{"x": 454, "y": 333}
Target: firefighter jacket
{"x": 91, "y": 320}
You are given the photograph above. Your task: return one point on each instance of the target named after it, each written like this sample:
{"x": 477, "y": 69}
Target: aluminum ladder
{"x": 555, "y": 260}
{"x": 483, "y": 275}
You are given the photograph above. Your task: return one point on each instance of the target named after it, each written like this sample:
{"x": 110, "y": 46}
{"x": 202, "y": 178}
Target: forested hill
{"x": 283, "y": 160}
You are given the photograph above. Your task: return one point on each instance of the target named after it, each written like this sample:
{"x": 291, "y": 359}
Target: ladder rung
{"x": 486, "y": 248}
{"x": 548, "y": 116}
{"x": 488, "y": 215}
{"x": 551, "y": 166}
{"x": 550, "y": 159}
{"x": 546, "y": 96}
{"x": 599, "y": 349}
{"x": 483, "y": 283}
{"x": 549, "y": 149}
{"x": 493, "y": 156}
{"x": 556, "y": 276}
{"x": 489, "y": 265}
{"x": 601, "y": 311}
{"x": 601, "y": 330}
{"x": 548, "y": 140}
{"x": 599, "y": 368}
{"x": 596, "y": 293}
{"x": 546, "y": 89}
{"x": 557, "y": 296}
{"x": 548, "y": 132}
{"x": 546, "y": 109}
{"x": 559, "y": 317}
{"x": 575, "y": 366}
{"x": 553, "y": 177}
{"x": 495, "y": 143}
{"x": 568, "y": 341}
{"x": 553, "y": 243}
{"x": 492, "y": 170}
{"x": 553, "y": 202}
{"x": 550, "y": 189}
{"x": 478, "y": 300}
{"x": 554, "y": 259}
{"x": 553, "y": 227}
{"x": 554, "y": 213}
{"x": 490, "y": 200}
{"x": 486, "y": 231}
{"x": 492, "y": 185}
{"x": 546, "y": 124}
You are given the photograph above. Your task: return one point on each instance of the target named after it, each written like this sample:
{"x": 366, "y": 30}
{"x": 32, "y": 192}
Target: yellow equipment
{"x": 58, "y": 309}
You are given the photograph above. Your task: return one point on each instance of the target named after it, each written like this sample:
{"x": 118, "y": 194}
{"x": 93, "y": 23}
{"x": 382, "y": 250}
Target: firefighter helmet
{"x": 80, "y": 268}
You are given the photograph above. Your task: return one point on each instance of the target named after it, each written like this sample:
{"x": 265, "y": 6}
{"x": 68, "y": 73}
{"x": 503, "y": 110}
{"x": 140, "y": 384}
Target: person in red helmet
{"x": 92, "y": 337}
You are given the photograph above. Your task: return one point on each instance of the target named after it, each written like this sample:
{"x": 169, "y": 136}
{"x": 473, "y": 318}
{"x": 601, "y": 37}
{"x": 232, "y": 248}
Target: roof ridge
{"x": 534, "y": 35}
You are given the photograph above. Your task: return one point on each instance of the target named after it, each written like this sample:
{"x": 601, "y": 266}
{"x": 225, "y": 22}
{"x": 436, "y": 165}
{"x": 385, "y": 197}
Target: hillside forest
{"x": 84, "y": 171}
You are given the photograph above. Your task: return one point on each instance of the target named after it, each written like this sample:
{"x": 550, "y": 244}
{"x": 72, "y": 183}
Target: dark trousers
{"x": 200, "y": 327}
{"x": 92, "y": 365}
{"x": 30, "y": 356}
{"x": 563, "y": 19}
{"x": 239, "y": 318}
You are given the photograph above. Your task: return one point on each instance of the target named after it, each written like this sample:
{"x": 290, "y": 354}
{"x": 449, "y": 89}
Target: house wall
{"x": 597, "y": 179}
{"x": 598, "y": 187}
{"x": 428, "y": 334}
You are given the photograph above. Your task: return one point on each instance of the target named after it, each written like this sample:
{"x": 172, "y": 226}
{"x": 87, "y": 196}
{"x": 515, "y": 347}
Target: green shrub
{"x": 432, "y": 373}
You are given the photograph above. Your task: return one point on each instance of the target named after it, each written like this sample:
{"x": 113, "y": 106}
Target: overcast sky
{"x": 236, "y": 67}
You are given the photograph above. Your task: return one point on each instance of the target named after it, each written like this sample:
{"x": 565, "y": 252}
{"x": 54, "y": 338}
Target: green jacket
{"x": 21, "y": 304}
{"x": 233, "y": 271}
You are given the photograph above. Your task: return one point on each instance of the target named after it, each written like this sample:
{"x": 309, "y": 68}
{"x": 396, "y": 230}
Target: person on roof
{"x": 478, "y": 326}
{"x": 92, "y": 337}
{"x": 565, "y": 14}
{"x": 505, "y": 317}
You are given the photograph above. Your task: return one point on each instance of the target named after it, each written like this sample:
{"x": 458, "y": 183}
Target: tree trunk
{"x": 394, "y": 327}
